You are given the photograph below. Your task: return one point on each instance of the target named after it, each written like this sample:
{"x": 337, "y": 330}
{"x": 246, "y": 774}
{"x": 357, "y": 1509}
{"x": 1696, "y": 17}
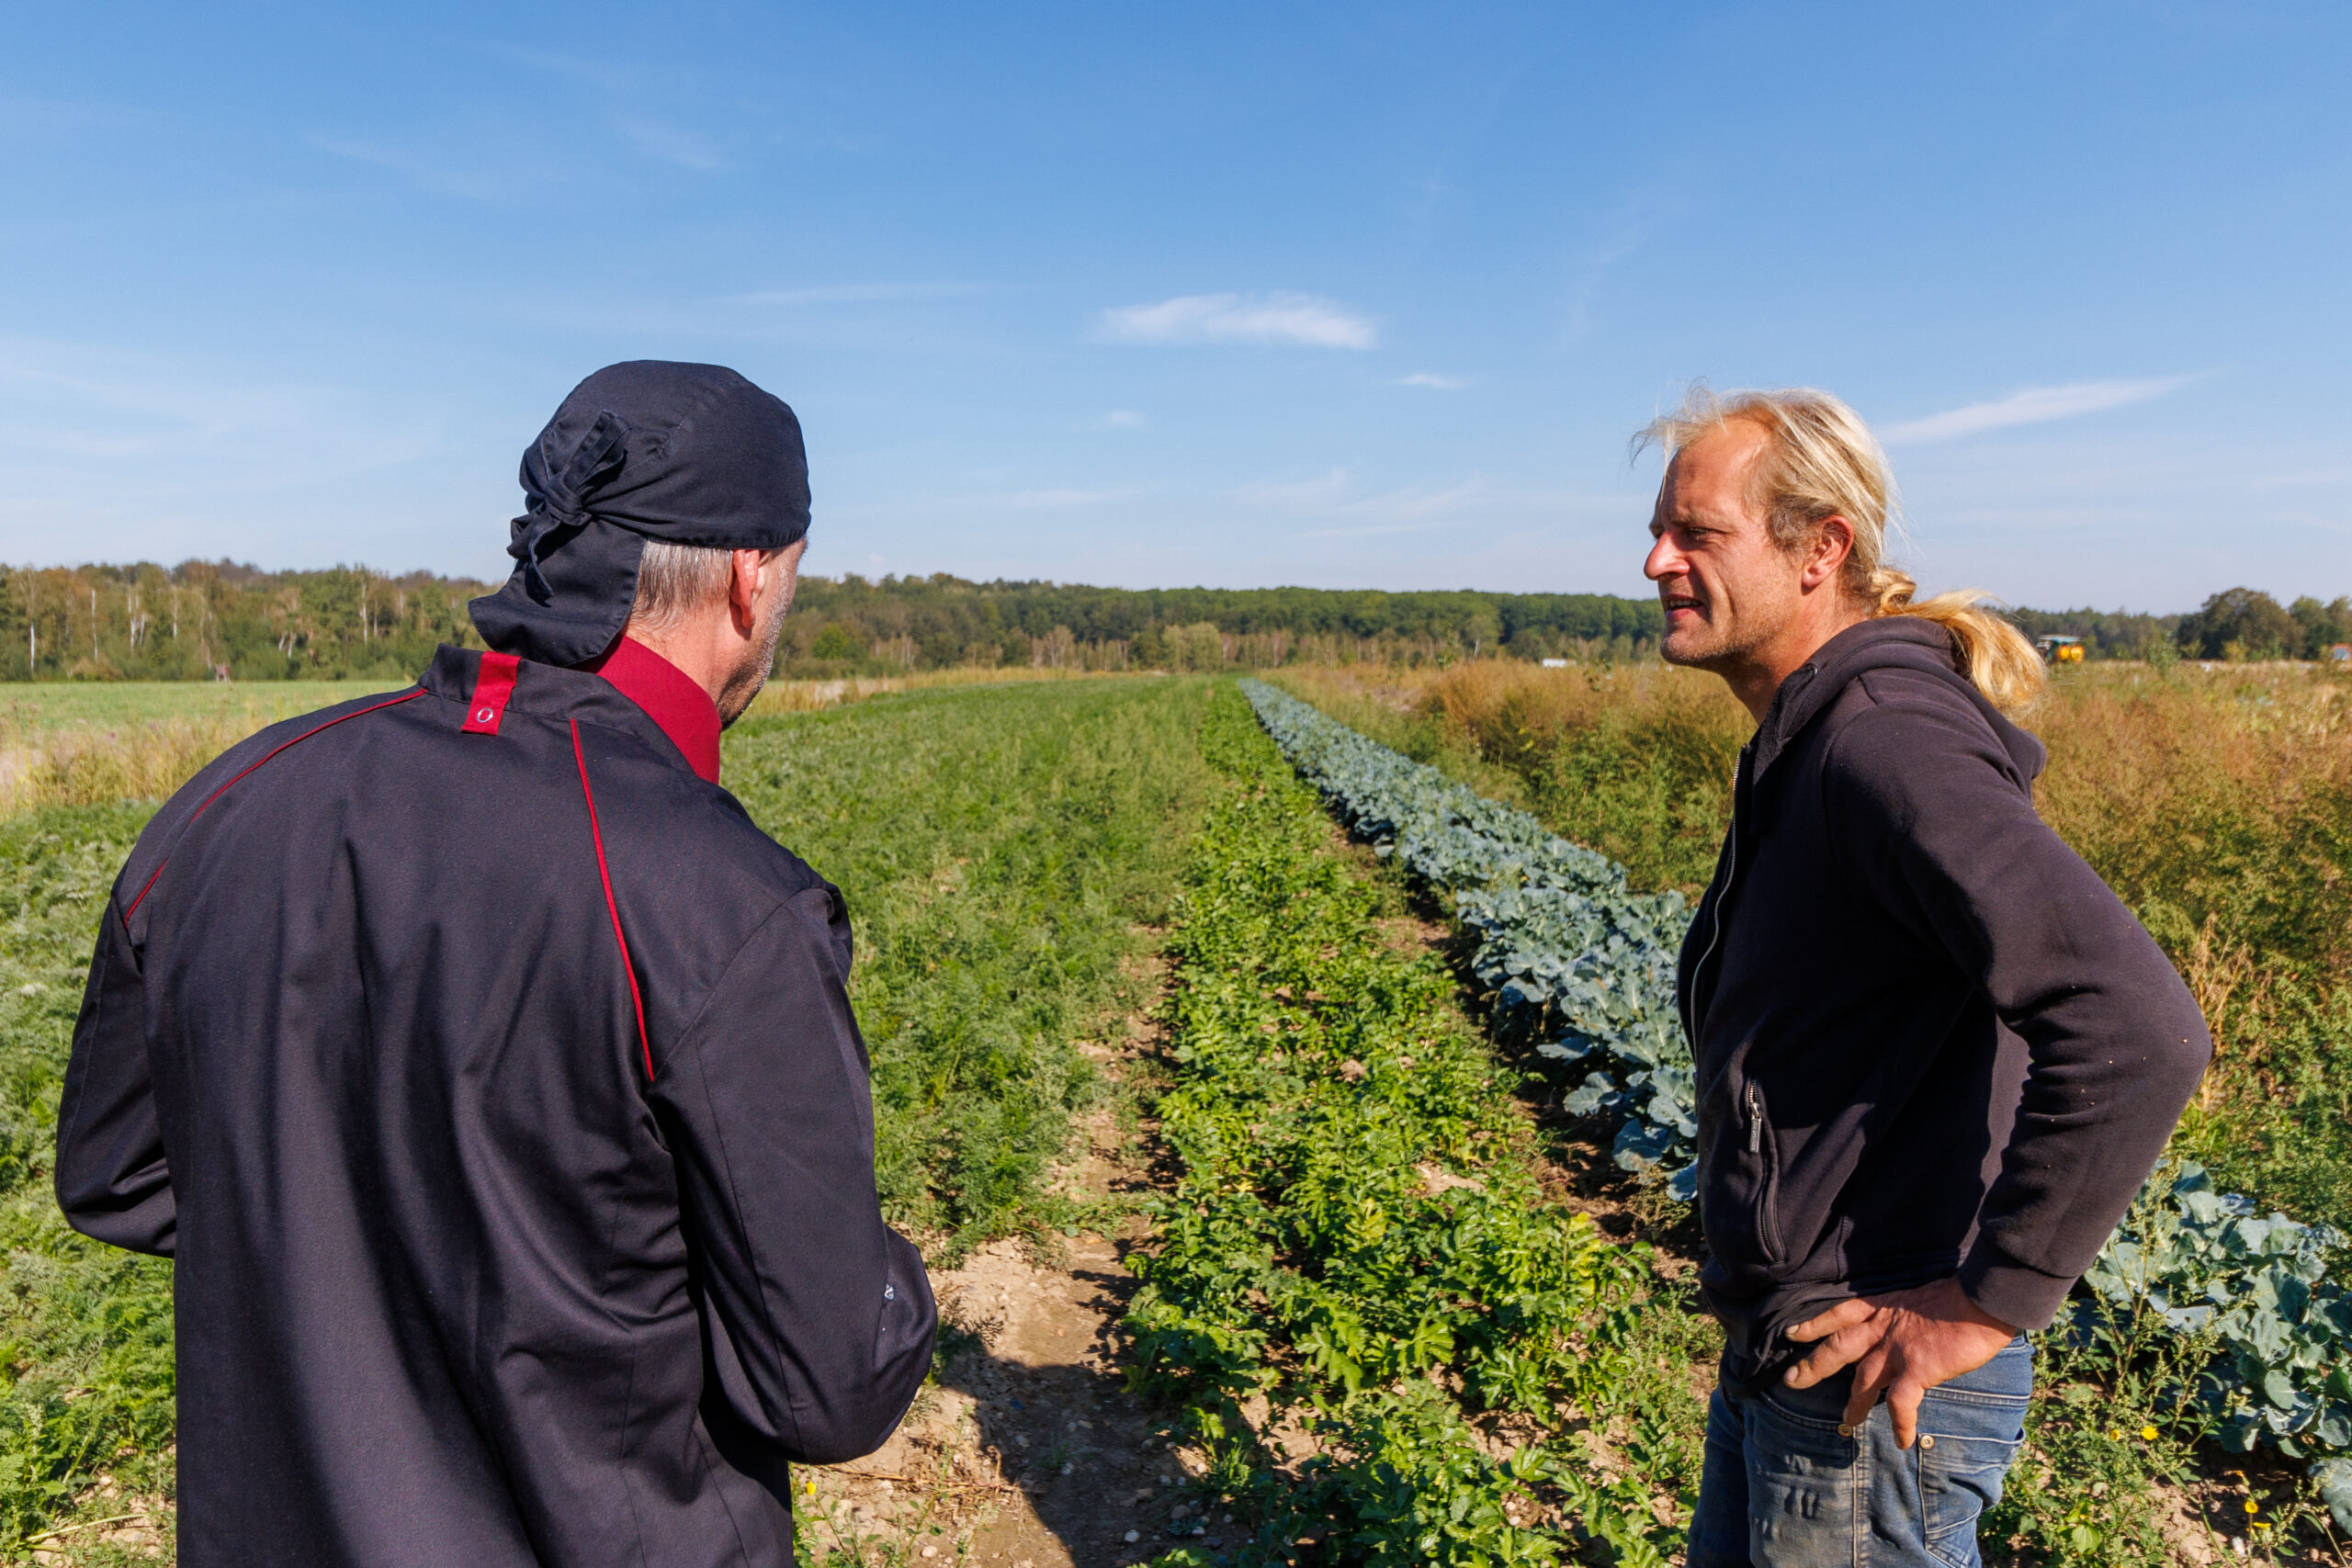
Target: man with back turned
{"x": 490, "y": 1077}
{"x": 1936, "y": 1055}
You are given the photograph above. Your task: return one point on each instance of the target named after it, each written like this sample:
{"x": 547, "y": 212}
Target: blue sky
{"x": 1342, "y": 296}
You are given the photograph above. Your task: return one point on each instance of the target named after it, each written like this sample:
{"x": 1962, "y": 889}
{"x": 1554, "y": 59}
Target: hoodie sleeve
{"x": 821, "y": 1315}
{"x": 113, "y": 1181}
{"x": 1937, "y": 822}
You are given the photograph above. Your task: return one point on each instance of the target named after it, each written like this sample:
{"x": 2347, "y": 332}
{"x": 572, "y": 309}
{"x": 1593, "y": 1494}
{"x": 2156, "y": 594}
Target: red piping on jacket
{"x": 224, "y": 788}
{"x": 644, "y": 1041}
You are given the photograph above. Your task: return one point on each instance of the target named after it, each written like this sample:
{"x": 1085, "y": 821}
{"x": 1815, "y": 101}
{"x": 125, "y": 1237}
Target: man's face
{"x": 1728, "y": 589}
{"x": 778, "y": 578}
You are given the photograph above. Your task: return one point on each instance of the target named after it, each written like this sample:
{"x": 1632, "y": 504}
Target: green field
{"x": 1359, "y": 1251}
{"x": 1005, "y": 853}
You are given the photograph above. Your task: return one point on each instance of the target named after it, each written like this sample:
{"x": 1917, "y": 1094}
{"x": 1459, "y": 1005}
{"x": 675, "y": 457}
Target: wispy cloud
{"x": 1298, "y": 318}
{"x": 1431, "y": 378}
{"x": 1407, "y": 510}
{"x": 1124, "y": 419}
{"x": 855, "y": 293}
{"x": 474, "y": 184}
{"x": 1057, "y": 498}
{"x": 2035, "y": 405}
{"x": 671, "y": 145}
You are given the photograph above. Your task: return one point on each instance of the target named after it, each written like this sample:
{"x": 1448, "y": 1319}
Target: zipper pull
{"x": 1755, "y": 1124}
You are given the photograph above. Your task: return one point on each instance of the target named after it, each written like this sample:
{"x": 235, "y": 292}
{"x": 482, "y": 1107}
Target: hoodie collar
{"x": 1886, "y": 642}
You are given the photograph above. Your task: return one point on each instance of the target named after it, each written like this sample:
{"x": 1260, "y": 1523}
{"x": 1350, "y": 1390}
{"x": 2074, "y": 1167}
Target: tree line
{"x": 220, "y": 620}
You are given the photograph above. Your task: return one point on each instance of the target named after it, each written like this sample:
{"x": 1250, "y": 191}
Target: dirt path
{"x": 1031, "y": 1454}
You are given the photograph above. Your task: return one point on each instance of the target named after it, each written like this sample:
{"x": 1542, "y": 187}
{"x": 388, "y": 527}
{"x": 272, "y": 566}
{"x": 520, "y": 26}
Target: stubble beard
{"x": 1718, "y": 650}
{"x": 745, "y": 682}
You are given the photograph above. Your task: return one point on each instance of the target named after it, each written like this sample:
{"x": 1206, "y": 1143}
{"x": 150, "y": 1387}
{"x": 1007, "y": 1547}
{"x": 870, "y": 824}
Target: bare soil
{"x": 1030, "y": 1453}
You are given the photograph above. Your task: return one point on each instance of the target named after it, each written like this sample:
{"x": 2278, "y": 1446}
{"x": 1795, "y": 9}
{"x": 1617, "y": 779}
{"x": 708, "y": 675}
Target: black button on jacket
{"x": 498, "y": 1100}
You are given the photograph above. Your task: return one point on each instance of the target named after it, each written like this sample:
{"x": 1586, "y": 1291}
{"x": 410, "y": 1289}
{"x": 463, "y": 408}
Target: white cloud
{"x": 1430, "y": 379}
{"x": 1124, "y": 419}
{"x": 1069, "y": 497}
{"x": 2035, "y": 405}
{"x": 1299, "y": 319}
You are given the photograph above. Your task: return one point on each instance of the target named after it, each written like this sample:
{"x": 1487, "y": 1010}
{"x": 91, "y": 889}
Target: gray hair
{"x": 675, "y": 580}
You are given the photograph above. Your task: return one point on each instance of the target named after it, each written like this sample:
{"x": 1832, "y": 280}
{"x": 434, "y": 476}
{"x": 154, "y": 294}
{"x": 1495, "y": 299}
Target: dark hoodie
{"x": 1930, "y": 1040}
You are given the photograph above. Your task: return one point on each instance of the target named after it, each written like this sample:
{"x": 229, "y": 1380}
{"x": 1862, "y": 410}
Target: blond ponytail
{"x": 1823, "y": 462}
{"x": 1997, "y": 659}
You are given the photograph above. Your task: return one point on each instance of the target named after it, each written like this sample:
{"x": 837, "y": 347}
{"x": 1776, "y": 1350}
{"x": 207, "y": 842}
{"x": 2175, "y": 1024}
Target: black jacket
{"x": 496, "y": 1241}
{"x": 1930, "y": 1040}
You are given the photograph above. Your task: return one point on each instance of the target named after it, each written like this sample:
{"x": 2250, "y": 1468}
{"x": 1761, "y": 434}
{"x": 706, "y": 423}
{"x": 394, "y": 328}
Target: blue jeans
{"x": 1781, "y": 1489}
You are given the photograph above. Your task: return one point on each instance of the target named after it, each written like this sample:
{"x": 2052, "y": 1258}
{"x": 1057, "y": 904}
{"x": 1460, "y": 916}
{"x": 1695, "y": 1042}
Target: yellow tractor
{"x": 2058, "y": 649}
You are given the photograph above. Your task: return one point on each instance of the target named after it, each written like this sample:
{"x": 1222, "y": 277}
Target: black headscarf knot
{"x": 560, "y": 501}
{"x": 648, "y": 449}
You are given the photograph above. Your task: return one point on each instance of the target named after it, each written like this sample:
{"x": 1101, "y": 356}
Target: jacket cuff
{"x": 2023, "y": 1297}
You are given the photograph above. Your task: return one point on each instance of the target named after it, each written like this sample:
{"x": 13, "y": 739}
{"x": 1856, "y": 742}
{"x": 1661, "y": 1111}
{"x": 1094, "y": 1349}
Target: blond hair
{"x": 1821, "y": 461}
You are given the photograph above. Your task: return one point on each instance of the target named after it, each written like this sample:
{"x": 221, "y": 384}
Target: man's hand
{"x": 1902, "y": 1346}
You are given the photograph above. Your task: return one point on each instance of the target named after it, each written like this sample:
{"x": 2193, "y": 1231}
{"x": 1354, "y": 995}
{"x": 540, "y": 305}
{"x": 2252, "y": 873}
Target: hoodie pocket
{"x": 1764, "y": 1147}
{"x": 1739, "y": 1199}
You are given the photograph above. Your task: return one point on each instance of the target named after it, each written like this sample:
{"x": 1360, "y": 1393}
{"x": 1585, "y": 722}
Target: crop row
{"x": 1584, "y": 967}
{"x": 1379, "y": 1329}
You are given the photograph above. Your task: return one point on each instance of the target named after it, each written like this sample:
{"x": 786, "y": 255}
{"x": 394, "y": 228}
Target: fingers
{"x": 1844, "y": 1315}
{"x": 1842, "y": 1349}
{"x": 1871, "y": 1375}
{"x": 1903, "y": 1404}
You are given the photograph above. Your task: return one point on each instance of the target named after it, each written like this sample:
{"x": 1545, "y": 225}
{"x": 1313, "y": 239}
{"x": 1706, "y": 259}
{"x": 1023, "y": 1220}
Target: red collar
{"x": 669, "y": 699}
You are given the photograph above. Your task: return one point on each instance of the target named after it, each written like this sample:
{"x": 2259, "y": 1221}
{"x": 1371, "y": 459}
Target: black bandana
{"x": 649, "y": 449}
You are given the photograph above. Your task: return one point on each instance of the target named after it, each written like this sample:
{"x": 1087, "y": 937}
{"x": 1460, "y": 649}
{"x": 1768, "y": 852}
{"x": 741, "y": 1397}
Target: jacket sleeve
{"x": 112, "y": 1179}
{"x": 820, "y": 1315}
{"x": 1934, "y": 820}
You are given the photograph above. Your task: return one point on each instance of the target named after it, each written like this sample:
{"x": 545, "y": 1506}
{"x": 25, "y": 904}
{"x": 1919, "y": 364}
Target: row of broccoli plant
{"x": 1390, "y": 1344}
{"x": 1583, "y": 965}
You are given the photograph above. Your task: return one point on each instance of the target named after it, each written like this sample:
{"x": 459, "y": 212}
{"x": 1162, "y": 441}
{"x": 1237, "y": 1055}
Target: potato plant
{"x": 1392, "y": 1345}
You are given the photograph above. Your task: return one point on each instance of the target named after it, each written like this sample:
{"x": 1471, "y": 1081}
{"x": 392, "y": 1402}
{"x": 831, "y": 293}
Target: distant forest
{"x": 217, "y": 620}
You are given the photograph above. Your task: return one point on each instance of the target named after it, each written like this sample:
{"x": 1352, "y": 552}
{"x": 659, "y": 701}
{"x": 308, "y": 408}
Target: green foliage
{"x": 2206, "y": 1264}
{"x": 2246, "y": 623}
{"x": 2286, "y": 1134}
{"x": 86, "y": 1336}
{"x": 1568, "y": 953}
{"x": 203, "y": 619}
{"x": 1357, "y": 1251}
{"x": 999, "y": 851}
{"x": 951, "y": 621}
{"x": 999, "y": 848}
{"x": 2106, "y": 634}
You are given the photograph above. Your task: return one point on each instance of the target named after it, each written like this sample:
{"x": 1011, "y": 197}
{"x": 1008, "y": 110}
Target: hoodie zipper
{"x": 1715, "y": 930}
{"x": 1755, "y": 1123}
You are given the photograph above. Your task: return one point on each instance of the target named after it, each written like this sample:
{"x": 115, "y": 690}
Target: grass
{"x": 1004, "y": 852}
{"x": 1001, "y": 851}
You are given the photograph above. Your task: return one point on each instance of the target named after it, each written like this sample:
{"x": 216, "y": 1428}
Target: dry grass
{"x": 2216, "y": 800}
{"x": 93, "y": 766}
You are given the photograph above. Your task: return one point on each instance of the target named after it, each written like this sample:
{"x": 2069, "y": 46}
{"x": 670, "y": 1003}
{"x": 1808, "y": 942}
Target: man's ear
{"x": 1833, "y": 541}
{"x": 744, "y": 588}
